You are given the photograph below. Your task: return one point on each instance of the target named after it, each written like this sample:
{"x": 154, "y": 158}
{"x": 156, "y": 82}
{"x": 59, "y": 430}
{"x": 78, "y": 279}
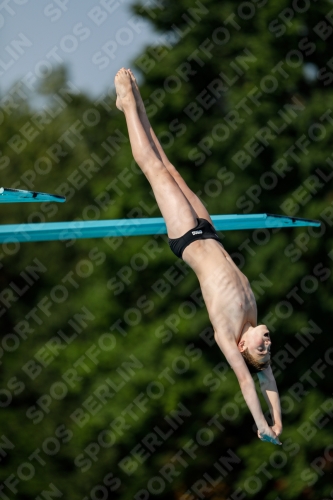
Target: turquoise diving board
{"x": 52, "y": 231}
{"x": 8, "y": 195}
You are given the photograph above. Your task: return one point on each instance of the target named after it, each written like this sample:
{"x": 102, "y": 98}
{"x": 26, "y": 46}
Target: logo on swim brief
{"x": 196, "y": 232}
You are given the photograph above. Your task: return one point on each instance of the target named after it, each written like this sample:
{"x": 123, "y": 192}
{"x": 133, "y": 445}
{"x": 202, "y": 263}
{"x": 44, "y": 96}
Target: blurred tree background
{"x": 112, "y": 385}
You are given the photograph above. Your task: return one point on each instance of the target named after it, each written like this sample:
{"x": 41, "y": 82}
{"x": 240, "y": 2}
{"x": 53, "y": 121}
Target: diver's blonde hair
{"x": 253, "y": 365}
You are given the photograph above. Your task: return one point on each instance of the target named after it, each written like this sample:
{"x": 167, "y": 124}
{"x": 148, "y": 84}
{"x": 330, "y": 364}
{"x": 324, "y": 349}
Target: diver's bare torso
{"x": 226, "y": 290}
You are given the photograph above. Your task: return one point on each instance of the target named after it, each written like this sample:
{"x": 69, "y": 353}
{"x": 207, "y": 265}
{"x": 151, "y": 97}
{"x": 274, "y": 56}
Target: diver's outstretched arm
{"x": 271, "y": 395}
{"x": 246, "y": 383}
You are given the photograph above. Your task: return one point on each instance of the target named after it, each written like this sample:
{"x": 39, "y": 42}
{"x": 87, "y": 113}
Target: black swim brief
{"x": 202, "y": 231}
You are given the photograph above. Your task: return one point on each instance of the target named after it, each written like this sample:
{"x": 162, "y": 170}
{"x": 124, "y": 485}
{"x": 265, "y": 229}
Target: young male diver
{"x": 226, "y": 291}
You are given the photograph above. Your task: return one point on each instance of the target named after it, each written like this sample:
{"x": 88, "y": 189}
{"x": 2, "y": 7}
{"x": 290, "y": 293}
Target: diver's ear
{"x": 241, "y": 345}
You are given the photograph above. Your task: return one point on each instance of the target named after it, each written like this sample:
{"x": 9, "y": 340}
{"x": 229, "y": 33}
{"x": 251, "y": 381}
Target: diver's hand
{"x": 269, "y": 436}
{"x": 277, "y": 428}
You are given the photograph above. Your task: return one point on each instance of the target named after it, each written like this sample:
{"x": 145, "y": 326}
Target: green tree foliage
{"x": 113, "y": 386}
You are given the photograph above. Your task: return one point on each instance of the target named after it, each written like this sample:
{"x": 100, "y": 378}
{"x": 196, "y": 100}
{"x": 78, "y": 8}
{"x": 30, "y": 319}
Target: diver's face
{"x": 258, "y": 342}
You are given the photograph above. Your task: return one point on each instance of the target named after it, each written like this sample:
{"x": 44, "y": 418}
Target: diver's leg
{"x": 176, "y": 210}
{"x": 193, "y": 199}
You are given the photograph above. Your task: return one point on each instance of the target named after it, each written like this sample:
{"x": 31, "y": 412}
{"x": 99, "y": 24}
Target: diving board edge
{"x": 63, "y": 231}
